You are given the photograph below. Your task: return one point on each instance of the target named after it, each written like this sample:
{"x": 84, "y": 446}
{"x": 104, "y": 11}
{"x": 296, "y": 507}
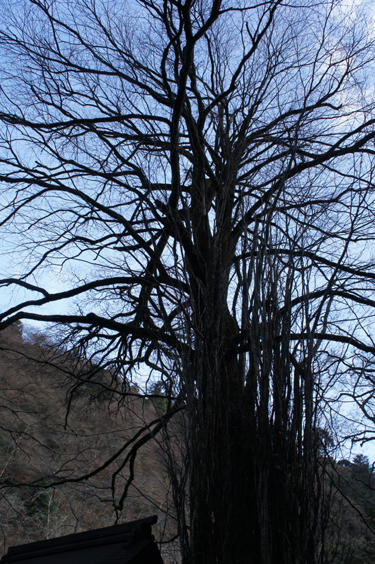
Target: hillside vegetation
{"x": 353, "y": 515}
{"x": 52, "y": 431}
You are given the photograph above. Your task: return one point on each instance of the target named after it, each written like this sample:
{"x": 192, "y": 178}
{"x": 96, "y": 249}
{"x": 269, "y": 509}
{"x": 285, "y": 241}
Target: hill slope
{"x": 42, "y": 435}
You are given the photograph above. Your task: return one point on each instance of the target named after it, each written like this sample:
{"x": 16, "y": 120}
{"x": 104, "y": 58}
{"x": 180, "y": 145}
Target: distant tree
{"x": 199, "y": 176}
{"x": 362, "y": 461}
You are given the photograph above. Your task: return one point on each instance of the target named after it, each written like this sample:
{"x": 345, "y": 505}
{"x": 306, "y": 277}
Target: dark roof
{"x": 129, "y": 543}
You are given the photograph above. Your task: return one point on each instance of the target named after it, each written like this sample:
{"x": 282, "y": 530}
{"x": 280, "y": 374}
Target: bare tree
{"x": 199, "y": 177}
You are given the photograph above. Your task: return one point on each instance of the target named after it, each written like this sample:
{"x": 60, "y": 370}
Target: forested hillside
{"x": 353, "y": 513}
{"x": 42, "y": 434}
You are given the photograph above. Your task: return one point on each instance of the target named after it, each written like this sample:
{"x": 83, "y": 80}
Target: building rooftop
{"x": 128, "y": 543}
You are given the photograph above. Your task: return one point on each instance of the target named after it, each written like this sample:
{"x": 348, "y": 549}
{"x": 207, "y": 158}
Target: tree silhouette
{"x": 199, "y": 175}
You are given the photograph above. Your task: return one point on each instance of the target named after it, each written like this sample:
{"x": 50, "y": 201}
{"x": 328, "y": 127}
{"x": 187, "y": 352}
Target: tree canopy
{"x": 188, "y": 187}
